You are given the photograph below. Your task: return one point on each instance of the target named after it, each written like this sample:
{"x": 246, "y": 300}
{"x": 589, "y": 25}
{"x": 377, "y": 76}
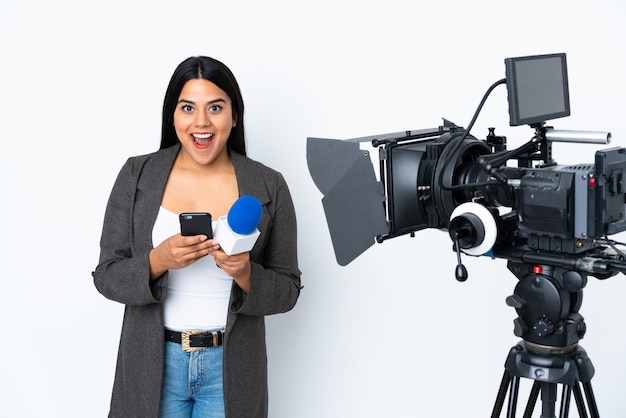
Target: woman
{"x": 188, "y": 284}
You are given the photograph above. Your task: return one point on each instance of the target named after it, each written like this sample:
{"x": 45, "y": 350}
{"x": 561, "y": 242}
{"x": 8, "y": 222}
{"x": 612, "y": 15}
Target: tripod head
{"x": 547, "y": 300}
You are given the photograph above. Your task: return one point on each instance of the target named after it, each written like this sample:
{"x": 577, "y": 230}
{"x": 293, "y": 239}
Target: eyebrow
{"x": 210, "y": 102}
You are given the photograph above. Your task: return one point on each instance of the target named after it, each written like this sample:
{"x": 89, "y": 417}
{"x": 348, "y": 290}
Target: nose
{"x": 202, "y": 119}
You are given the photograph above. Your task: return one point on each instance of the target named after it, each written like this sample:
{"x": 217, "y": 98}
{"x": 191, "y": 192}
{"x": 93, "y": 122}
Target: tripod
{"x": 547, "y": 299}
{"x": 570, "y": 367}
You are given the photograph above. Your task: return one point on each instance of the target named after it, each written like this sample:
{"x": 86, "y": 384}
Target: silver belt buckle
{"x": 184, "y": 341}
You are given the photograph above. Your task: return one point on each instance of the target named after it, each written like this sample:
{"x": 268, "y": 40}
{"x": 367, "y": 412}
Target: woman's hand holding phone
{"x": 194, "y": 242}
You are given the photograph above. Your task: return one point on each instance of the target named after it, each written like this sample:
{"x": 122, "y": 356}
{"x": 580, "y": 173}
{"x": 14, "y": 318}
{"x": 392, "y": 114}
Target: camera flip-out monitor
{"x": 537, "y": 88}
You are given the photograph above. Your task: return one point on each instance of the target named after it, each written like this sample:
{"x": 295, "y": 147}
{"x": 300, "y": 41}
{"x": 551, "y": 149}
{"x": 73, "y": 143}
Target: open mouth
{"x": 202, "y": 140}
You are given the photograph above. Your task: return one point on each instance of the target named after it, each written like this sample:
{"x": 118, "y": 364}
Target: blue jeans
{"x": 192, "y": 383}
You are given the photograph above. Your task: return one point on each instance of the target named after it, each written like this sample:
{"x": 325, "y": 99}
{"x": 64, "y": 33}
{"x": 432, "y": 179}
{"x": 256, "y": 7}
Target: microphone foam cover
{"x": 244, "y": 215}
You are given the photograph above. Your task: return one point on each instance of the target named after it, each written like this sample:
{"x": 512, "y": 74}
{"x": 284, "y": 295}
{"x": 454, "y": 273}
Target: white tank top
{"x": 197, "y": 296}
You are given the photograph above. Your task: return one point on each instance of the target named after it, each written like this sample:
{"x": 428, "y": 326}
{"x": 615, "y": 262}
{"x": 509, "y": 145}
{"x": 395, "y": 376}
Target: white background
{"x": 393, "y": 334}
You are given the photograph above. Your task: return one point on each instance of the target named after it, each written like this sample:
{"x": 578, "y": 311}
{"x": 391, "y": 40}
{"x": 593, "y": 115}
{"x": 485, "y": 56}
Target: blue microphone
{"x": 237, "y": 232}
{"x": 245, "y": 214}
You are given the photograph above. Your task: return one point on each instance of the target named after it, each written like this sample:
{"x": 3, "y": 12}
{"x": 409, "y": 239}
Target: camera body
{"x": 556, "y": 208}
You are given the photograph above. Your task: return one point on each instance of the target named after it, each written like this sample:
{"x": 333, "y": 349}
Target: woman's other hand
{"x": 236, "y": 266}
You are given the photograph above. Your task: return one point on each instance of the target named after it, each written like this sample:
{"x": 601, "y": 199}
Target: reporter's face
{"x": 203, "y": 120}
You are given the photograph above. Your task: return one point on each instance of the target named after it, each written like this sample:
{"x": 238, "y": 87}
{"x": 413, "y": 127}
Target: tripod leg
{"x": 497, "y": 408}
{"x": 532, "y": 399}
{"x": 580, "y": 403}
{"x": 591, "y": 400}
{"x": 565, "y": 399}
{"x": 513, "y": 396}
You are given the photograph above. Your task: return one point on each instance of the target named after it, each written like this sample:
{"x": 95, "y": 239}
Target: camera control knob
{"x": 581, "y": 329}
{"x": 574, "y": 281}
{"x": 543, "y": 327}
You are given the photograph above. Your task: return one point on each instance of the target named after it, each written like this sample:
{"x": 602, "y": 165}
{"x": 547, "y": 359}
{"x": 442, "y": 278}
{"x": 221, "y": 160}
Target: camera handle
{"x": 460, "y": 272}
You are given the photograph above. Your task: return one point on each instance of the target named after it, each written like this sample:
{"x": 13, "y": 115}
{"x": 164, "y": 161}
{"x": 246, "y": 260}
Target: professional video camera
{"x": 551, "y": 222}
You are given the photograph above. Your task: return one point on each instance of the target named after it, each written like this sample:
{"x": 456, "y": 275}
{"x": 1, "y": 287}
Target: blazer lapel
{"x": 149, "y": 194}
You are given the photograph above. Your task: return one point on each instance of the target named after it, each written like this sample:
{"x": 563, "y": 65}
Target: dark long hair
{"x": 219, "y": 74}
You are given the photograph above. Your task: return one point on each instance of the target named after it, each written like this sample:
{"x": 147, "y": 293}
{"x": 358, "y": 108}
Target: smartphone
{"x": 196, "y": 223}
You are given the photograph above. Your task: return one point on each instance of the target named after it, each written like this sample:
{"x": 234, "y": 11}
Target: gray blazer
{"x": 123, "y": 276}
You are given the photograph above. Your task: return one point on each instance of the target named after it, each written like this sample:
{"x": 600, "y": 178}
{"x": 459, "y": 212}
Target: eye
{"x": 186, "y": 108}
{"x": 215, "y": 108}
